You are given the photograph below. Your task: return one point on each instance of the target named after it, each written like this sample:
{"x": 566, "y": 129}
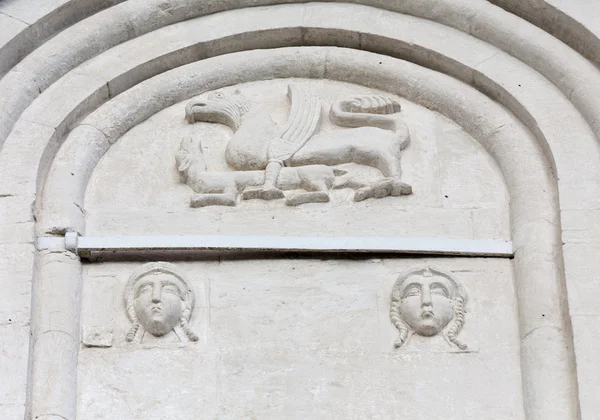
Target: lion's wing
{"x": 304, "y": 120}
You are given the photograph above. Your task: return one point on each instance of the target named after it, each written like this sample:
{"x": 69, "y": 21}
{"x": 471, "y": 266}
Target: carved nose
{"x": 156, "y": 293}
{"x": 426, "y": 297}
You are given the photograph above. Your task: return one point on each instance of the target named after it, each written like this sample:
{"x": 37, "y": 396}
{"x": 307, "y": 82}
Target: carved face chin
{"x": 158, "y": 304}
{"x": 426, "y": 305}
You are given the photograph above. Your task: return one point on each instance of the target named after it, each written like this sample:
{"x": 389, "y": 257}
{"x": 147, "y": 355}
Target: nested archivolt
{"x": 136, "y": 17}
{"x": 564, "y": 131}
{"x": 527, "y": 172}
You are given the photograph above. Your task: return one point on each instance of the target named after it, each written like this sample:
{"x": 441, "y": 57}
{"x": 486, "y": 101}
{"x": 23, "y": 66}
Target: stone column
{"x": 55, "y": 335}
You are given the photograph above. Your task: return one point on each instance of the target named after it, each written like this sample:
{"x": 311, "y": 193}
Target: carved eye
{"x": 145, "y": 289}
{"x": 412, "y": 291}
{"x": 437, "y": 289}
{"x": 169, "y": 288}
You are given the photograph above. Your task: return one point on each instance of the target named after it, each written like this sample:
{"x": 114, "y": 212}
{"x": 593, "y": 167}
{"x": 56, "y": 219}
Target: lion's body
{"x": 305, "y": 177}
{"x": 372, "y": 146}
{"x": 374, "y": 136}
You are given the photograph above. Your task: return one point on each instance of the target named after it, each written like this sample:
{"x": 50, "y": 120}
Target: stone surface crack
{"x": 478, "y": 65}
{"x": 80, "y": 208}
{"x": 325, "y": 64}
{"x": 65, "y": 253}
{"x": 166, "y": 8}
{"x": 539, "y": 328}
{"x": 15, "y": 18}
{"x": 96, "y": 128}
{"x": 43, "y": 416}
{"x": 38, "y": 122}
{"x": 57, "y": 331}
{"x": 544, "y": 219}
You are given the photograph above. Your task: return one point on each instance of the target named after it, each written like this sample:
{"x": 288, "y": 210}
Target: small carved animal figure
{"x": 375, "y": 137}
{"x": 223, "y": 188}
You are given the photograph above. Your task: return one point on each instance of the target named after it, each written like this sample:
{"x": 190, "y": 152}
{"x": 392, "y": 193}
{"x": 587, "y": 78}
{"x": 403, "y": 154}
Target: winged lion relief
{"x": 294, "y": 161}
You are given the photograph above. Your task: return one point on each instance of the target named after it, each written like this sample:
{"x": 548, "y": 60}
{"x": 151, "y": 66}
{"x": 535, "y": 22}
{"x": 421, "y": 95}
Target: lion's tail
{"x": 371, "y": 111}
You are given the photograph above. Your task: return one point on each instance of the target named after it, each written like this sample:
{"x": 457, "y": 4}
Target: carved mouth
{"x": 427, "y": 314}
{"x": 156, "y": 309}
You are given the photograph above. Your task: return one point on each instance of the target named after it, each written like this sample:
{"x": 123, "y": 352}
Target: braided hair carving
{"x": 186, "y": 295}
{"x": 457, "y": 324}
{"x": 398, "y": 322}
{"x": 135, "y": 323}
{"x": 459, "y": 299}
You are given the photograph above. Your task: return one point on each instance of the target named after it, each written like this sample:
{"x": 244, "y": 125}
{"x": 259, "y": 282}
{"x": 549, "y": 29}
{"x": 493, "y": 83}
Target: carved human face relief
{"x": 428, "y": 301}
{"x": 158, "y": 303}
{"x": 426, "y": 305}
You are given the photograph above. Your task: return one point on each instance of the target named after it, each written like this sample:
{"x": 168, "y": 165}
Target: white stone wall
{"x": 501, "y": 98}
{"x": 455, "y": 182}
{"x": 300, "y": 338}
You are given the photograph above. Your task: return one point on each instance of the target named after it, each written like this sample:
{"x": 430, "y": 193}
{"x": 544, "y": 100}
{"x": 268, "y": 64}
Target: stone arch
{"x": 523, "y": 186}
{"x": 44, "y": 130}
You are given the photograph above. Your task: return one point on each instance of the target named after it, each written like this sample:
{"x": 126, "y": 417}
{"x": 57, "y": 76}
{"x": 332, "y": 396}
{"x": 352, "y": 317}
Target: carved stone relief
{"x": 448, "y": 170}
{"x": 295, "y": 324}
{"x": 428, "y": 301}
{"x": 269, "y": 159}
{"x": 159, "y": 303}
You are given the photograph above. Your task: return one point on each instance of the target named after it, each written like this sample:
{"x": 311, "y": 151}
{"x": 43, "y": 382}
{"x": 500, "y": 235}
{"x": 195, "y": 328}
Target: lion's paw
{"x": 384, "y": 188}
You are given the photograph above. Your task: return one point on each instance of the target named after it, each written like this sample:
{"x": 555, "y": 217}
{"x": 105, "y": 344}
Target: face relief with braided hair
{"x": 157, "y": 300}
{"x": 428, "y": 301}
{"x": 457, "y": 324}
{"x": 398, "y": 322}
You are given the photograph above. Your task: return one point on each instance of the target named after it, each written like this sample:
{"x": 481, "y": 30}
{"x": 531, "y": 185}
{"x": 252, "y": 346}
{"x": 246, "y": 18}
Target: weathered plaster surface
{"x": 319, "y": 344}
{"x": 454, "y": 181}
{"x": 511, "y": 137}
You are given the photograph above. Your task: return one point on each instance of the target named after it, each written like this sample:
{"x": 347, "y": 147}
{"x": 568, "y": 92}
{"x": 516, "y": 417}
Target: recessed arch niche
{"x": 148, "y": 198}
{"x": 443, "y": 164}
{"x": 528, "y": 99}
{"x": 496, "y": 132}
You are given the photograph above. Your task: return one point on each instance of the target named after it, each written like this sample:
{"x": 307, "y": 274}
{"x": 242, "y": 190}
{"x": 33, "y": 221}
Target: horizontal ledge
{"x": 85, "y": 245}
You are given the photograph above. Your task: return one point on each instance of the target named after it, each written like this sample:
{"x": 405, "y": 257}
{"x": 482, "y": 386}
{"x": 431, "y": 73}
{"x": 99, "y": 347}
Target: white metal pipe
{"x": 84, "y": 245}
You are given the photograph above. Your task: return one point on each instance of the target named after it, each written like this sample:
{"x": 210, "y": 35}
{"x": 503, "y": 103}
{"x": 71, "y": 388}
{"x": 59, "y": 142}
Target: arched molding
{"x": 551, "y": 121}
{"x": 437, "y": 47}
{"x": 28, "y": 23}
{"x": 534, "y": 201}
{"x": 63, "y": 198}
{"x": 565, "y": 20}
{"x": 88, "y": 38}
{"x": 573, "y": 74}
{"x": 541, "y": 106}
